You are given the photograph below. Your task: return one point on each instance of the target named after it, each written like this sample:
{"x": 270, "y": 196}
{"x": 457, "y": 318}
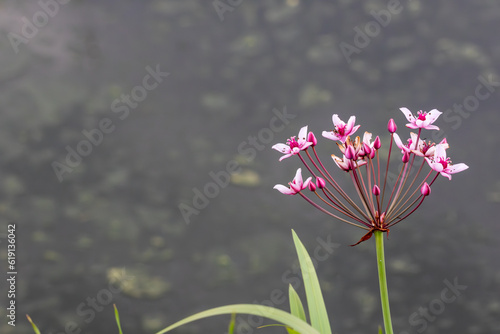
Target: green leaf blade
{"x": 117, "y": 318}
{"x": 35, "y": 328}
{"x": 285, "y": 318}
{"x": 296, "y": 307}
{"x": 291, "y": 331}
{"x": 315, "y": 303}
{"x": 232, "y": 323}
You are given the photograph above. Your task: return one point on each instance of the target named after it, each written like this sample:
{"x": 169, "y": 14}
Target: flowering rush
{"x": 377, "y": 207}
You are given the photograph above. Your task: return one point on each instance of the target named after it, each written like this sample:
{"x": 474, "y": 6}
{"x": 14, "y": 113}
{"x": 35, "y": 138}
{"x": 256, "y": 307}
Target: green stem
{"x": 382, "y": 277}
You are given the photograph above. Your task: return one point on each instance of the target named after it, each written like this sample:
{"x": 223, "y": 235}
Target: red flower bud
{"x": 350, "y": 153}
{"x": 391, "y": 126}
{"x": 367, "y": 149}
{"x": 312, "y": 138}
{"x": 406, "y": 157}
{"x": 320, "y": 183}
{"x": 425, "y": 190}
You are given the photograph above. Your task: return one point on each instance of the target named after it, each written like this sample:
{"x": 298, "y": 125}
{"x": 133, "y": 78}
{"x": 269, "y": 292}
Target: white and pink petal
{"x": 457, "y": 168}
{"x": 330, "y": 135}
{"x": 408, "y": 114}
{"x": 284, "y": 190}
{"x": 336, "y": 120}
{"x": 433, "y": 115}
{"x": 283, "y": 148}
{"x": 303, "y": 134}
{"x": 350, "y": 124}
{"x": 400, "y": 144}
{"x": 446, "y": 175}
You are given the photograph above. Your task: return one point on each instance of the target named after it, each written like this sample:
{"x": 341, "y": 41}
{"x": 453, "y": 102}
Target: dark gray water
{"x": 161, "y": 97}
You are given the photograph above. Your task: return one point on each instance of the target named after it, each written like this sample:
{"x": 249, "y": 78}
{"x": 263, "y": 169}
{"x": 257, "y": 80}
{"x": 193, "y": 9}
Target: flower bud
{"x": 367, "y": 149}
{"x": 376, "y": 190}
{"x": 350, "y": 153}
{"x": 406, "y": 157}
{"x": 320, "y": 183}
{"x": 312, "y": 138}
{"x": 391, "y": 126}
{"x": 377, "y": 143}
{"x": 425, "y": 190}
{"x": 311, "y": 186}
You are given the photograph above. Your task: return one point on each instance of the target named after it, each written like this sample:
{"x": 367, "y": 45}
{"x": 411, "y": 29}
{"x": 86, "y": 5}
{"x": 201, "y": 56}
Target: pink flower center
{"x": 426, "y": 147}
{"x": 340, "y": 129}
{"x": 421, "y": 115}
{"x": 444, "y": 162}
{"x": 293, "y": 143}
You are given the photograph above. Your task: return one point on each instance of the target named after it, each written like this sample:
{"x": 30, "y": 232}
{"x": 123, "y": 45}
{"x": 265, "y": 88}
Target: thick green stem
{"x": 382, "y": 277}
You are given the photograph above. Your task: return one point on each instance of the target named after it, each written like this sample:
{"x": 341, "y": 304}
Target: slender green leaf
{"x": 380, "y": 330}
{"x": 117, "y": 317}
{"x": 231, "y": 324}
{"x": 37, "y": 331}
{"x": 291, "y": 331}
{"x": 288, "y": 329}
{"x": 315, "y": 303}
{"x": 296, "y": 307}
{"x": 271, "y": 325}
{"x": 285, "y": 318}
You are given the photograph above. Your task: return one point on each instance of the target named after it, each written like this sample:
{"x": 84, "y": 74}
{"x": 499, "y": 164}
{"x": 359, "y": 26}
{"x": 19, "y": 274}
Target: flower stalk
{"x": 382, "y": 278}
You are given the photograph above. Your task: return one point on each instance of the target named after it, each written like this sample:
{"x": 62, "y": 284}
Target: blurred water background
{"x": 69, "y": 67}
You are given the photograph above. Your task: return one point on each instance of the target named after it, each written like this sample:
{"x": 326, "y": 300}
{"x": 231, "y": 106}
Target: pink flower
{"x": 427, "y": 149}
{"x": 376, "y": 212}
{"x": 408, "y": 147}
{"x": 294, "y": 146}
{"x": 423, "y": 120}
{"x": 441, "y": 164}
{"x": 295, "y": 186}
{"x": 347, "y": 164}
{"x": 342, "y": 130}
{"x": 422, "y": 148}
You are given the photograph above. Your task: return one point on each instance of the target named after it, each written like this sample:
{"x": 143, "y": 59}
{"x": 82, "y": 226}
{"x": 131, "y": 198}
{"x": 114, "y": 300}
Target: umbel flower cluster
{"x": 378, "y": 207}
